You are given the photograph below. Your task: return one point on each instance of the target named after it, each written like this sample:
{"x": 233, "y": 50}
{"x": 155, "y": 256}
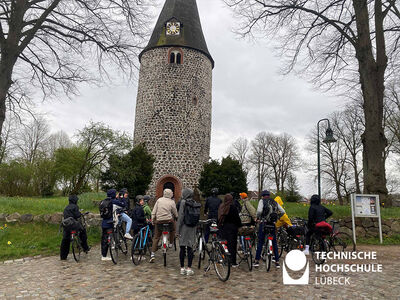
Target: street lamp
{"x": 327, "y": 140}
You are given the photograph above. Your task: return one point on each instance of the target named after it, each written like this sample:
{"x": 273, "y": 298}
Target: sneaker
{"x": 128, "y": 236}
{"x": 306, "y": 252}
{"x": 105, "y": 258}
{"x": 189, "y": 272}
{"x": 183, "y": 271}
{"x": 256, "y": 264}
{"x": 235, "y": 265}
{"x": 277, "y": 265}
{"x": 170, "y": 246}
{"x": 152, "y": 258}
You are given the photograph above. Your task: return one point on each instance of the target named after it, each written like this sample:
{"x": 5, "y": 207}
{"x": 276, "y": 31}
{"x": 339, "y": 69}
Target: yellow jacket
{"x": 284, "y": 219}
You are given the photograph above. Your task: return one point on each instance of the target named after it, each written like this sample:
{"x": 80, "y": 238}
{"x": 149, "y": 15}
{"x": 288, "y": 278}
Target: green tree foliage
{"x": 228, "y": 176}
{"x": 16, "y": 178}
{"x": 133, "y": 171}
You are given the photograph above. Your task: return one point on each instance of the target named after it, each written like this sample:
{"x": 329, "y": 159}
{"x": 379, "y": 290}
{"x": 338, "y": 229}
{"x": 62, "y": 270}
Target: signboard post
{"x": 365, "y": 206}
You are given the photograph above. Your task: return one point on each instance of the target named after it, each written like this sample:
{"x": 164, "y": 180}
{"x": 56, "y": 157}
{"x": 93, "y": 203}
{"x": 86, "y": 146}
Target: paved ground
{"x": 49, "y": 278}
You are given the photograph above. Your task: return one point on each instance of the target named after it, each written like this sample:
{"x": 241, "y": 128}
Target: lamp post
{"x": 327, "y": 140}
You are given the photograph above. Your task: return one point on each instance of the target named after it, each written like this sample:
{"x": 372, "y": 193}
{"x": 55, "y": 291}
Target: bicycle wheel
{"x": 282, "y": 240}
{"x": 113, "y": 246}
{"x": 123, "y": 245}
{"x": 249, "y": 256}
{"x": 241, "y": 251}
{"x": 342, "y": 241}
{"x": 317, "y": 245}
{"x": 165, "y": 258}
{"x": 136, "y": 252}
{"x": 76, "y": 249}
{"x": 201, "y": 251}
{"x": 222, "y": 264}
{"x": 268, "y": 258}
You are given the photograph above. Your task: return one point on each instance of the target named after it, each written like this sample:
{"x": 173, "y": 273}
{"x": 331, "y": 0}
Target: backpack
{"x": 269, "y": 211}
{"x": 106, "y": 208}
{"x": 69, "y": 223}
{"x": 192, "y": 213}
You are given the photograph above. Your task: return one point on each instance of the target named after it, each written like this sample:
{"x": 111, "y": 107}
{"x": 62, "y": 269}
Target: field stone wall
{"x": 369, "y": 227}
{"x": 56, "y": 218}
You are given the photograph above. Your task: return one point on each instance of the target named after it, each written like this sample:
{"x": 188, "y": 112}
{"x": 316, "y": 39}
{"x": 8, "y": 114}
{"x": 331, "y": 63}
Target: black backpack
{"x": 192, "y": 213}
{"x": 269, "y": 210}
{"x": 106, "y": 208}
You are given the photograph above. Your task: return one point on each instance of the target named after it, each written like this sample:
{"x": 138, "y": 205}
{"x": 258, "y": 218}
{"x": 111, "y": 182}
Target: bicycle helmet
{"x": 138, "y": 198}
{"x": 146, "y": 198}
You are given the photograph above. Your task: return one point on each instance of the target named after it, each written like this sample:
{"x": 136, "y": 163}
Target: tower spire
{"x": 191, "y": 34}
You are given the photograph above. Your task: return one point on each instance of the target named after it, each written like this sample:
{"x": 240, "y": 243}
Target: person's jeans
{"x": 128, "y": 220}
{"x": 261, "y": 242}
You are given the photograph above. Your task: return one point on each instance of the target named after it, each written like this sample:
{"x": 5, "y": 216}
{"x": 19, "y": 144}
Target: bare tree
{"x": 337, "y": 43}
{"x": 239, "y": 150}
{"x": 50, "y": 44}
{"x": 258, "y": 158}
{"x": 32, "y": 139}
{"x": 348, "y": 126}
{"x": 282, "y": 159}
{"x": 58, "y": 140}
{"x": 8, "y": 136}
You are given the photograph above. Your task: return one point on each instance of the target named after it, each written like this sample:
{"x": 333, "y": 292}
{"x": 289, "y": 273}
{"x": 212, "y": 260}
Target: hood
{"x": 111, "y": 193}
{"x": 168, "y": 193}
{"x": 187, "y": 194}
{"x": 73, "y": 199}
{"x": 279, "y": 200}
{"x": 315, "y": 200}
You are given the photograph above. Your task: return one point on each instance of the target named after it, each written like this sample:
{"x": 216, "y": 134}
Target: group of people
{"x": 230, "y": 214}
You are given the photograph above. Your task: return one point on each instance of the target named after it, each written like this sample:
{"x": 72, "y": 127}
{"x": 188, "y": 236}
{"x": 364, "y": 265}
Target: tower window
{"x": 194, "y": 101}
{"x": 175, "y": 56}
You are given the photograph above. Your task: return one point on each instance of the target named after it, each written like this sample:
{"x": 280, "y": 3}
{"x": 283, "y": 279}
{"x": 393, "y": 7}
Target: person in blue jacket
{"x": 120, "y": 204}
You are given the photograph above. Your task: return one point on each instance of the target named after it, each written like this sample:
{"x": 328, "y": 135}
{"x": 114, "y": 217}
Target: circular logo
{"x": 296, "y": 260}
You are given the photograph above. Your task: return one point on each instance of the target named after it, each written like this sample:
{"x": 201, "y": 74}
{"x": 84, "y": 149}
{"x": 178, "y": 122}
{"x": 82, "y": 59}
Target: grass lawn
{"x": 339, "y": 212}
{"x": 35, "y": 239}
{"x": 40, "y": 206}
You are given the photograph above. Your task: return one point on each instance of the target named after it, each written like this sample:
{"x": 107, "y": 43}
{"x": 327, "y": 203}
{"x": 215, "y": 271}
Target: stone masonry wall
{"x": 368, "y": 227}
{"x": 173, "y": 114}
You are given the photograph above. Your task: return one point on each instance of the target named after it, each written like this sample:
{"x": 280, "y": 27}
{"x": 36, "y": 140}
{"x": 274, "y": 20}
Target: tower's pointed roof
{"x": 185, "y": 12}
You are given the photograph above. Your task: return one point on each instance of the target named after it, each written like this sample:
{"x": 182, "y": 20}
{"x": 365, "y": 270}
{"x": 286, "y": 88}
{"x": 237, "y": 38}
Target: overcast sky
{"x": 249, "y": 95}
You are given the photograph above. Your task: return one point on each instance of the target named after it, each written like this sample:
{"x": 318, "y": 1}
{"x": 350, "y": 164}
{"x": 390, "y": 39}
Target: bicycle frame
{"x": 143, "y": 237}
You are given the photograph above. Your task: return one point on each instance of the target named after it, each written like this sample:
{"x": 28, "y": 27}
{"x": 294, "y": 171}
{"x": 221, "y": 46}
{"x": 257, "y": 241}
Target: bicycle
{"x": 291, "y": 238}
{"x": 141, "y": 244}
{"x": 76, "y": 243}
{"x": 165, "y": 229}
{"x": 268, "y": 248}
{"x": 200, "y": 245}
{"x": 245, "y": 247}
{"x": 116, "y": 240}
{"x": 218, "y": 256}
{"x": 326, "y": 239}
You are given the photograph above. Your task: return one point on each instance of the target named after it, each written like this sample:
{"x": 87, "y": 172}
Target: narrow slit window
{"x": 178, "y": 58}
{"x": 172, "y": 58}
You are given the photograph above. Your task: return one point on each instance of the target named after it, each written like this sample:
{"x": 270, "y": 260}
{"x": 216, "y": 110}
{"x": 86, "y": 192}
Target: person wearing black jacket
{"x": 211, "y": 209}
{"x": 72, "y": 210}
{"x": 316, "y": 213}
{"x": 229, "y": 224}
{"x": 138, "y": 218}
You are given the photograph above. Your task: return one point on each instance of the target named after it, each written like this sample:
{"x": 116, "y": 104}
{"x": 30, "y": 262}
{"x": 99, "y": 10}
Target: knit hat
{"x": 243, "y": 195}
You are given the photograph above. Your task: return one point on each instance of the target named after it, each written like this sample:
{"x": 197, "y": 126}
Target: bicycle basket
{"x": 246, "y": 230}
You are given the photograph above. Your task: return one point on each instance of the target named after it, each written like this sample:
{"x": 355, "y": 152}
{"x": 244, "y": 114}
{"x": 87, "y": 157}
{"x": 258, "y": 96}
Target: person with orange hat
{"x": 248, "y": 214}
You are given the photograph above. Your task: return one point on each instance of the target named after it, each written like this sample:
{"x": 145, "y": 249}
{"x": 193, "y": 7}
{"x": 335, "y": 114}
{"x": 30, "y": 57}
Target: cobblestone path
{"x": 50, "y": 278}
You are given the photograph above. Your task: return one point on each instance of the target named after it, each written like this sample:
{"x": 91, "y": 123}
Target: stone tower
{"x": 173, "y": 109}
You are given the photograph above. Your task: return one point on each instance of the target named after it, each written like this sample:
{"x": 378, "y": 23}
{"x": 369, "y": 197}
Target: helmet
{"x": 214, "y": 191}
{"x": 146, "y": 198}
{"x": 138, "y": 198}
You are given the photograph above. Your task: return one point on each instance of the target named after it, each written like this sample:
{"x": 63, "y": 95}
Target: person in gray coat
{"x": 187, "y": 235}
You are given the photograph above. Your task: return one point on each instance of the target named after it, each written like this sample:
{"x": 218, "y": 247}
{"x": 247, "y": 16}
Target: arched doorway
{"x": 169, "y": 182}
